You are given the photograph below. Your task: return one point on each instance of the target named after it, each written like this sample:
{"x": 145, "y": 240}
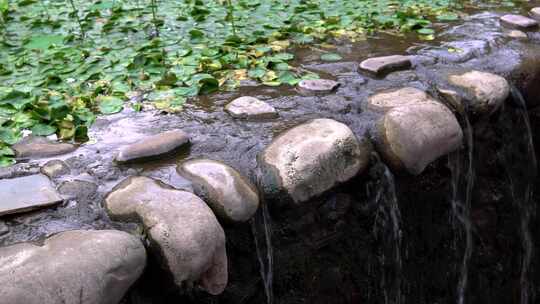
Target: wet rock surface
{"x": 39, "y": 147}
{"x": 317, "y": 86}
{"x": 153, "y": 146}
{"x": 248, "y": 107}
{"x": 27, "y": 193}
{"x": 385, "y": 101}
{"x": 535, "y": 13}
{"x": 231, "y": 196}
{"x": 311, "y": 158}
{"x": 71, "y": 267}
{"x": 488, "y": 91}
{"x": 519, "y": 22}
{"x": 414, "y": 135}
{"x": 380, "y": 66}
{"x": 55, "y": 168}
{"x": 185, "y": 236}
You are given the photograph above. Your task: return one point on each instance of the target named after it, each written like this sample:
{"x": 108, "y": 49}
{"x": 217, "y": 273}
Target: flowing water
{"x": 265, "y": 253}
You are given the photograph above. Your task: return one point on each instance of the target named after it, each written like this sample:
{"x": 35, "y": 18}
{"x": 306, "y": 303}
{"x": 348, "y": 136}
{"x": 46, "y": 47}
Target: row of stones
{"x": 185, "y": 235}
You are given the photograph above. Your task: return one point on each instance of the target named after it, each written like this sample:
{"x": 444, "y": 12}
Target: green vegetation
{"x": 61, "y": 62}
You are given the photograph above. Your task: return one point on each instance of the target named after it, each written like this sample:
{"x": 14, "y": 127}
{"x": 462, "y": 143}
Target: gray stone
{"x": 40, "y": 147}
{"x": 386, "y": 100}
{"x": 411, "y": 137}
{"x": 458, "y": 51}
{"x": 27, "y": 193}
{"x": 55, "y": 168}
{"x": 311, "y": 158}
{"x": 184, "y": 233}
{"x": 516, "y": 34}
{"x": 318, "y": 86}
{"x": 4, "y": 229}
{"x": 153, "y": 146}
{"x": 518, "y": 22}
{"x": 488, "y": 90}
{"x": 18, "y": 170}
{"x": 248, "y": 107}
{"x": 535, "y": 13}
{"x": 380, "y": 66}
{"x": 91, "y": 267}
{"x": 231, "y": 196}
{"x": 78, "y": 189}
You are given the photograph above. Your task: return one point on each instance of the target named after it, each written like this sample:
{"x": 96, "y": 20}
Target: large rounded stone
{"x": 91, "y": 267}
{"x": 311, "y": 158}
{"x": 535, "y": 13}
{"x": 380, "y": 66}
{"x": 231, "y": 196}
{"x": 153, "y": 146}
{"x": 518, "y": 22}
{"x": 184, "y": 234}
{"x": 386, "y": 100}
{"x": 488, "y": 90}
{"x": 248, "y": 107}
{"x": 412, "y": 136}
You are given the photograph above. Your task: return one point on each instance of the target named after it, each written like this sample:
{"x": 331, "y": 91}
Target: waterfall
{"x": 521, "y": 188}
{"x": 463, "y": 177}
{"x": 388, "y": 223}
{"x": 264, "y": 250}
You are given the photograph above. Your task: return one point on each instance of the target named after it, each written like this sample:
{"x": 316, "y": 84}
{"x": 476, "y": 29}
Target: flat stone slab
{"x": 230, "y": 195}
{"x": 248, "y": 107}
{"x": 386, "y": 100}
{"x": 311, "y": 158}
{"x": 535, "y": 13}
{"x": 518, "y": 22}
{"x": 41, "y": 147}
{"x": 72, "y": 267}
{"x": 27, "y": 193}
{"x": 318, "y": 86}
{"x": 488, "y": 90}
{"x": 380, "y": 66}
{"x": 516, "y": 34}
{"x": 411, "y": 137}
{"x": 153, "y": 146}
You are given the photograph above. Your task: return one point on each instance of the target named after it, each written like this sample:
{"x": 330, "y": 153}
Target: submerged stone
{"x": 380, "y": 66}
{"x": 184, "y": 234}
{"x": 230, "y": 195}
{"x": 55, "y": 168}
{"x": 518, "y": 22}
{"x": 71, "y": 267}
{"x": 27, "y": 193}
{"x": 248, "y": 107}
{"x": 411, "y": 137}
{"x": 153, "y": 146}
{"x": 41, "y": 147}
{"x": 318, "y": 86}
{"x": 311, "y": 158}
{"x": 386, "y": 100}
{"x": 488, "y": 90}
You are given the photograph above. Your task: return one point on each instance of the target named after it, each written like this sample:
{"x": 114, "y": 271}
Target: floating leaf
{"x": 110, "y": 105}
{"x": 331, "y": 57}
{"x": 43, "y": 130}
{"x": 43, "y": 42}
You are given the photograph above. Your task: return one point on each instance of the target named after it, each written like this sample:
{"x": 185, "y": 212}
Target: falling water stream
{"x": 521, "y": 175}
{"x": 264, "y": 249}
{"x": 462, "y": 185}
{"x": 388, "y": 223}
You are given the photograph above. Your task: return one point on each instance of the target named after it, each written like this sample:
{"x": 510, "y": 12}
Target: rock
{"x": 184, "y": 234}
{"x": 535, "y": 13}
{"x": 412, "y": 136}
{"x": 4, "y": 229}
{"x": 518, "y": 22}
{"x": 248, "y": 107}
{"x": 488, "y": 90}
{"x": 231, "y": 196}
{"x": 311, "y": 158}
{"x": 516, "y": 34}
{"x": 317, "y": 86}
{"x": 18, "y": 170}
{"x": 27, "y": 193}
{"x": 458, "y": 51}
{"x": 55, "y": 168}
{"x": 78, "y": 189}
{"x": 386, "y": 100}
{"x": 380, "y": 66}
{"x": 94, "y": 267}
{"x": 40, "y": 147}
{"x": 153, "y": 146}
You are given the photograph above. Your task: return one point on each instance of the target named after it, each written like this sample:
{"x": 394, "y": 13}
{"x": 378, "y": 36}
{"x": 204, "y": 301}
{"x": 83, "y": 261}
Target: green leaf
{"x": 43, "y": 42}
{"x": 448, "y": 17}
{"x": 4, "y": 6}
{"x": 206, "y": 83}
{"x": 9, "y": 136}
{"x": 425, "y": 31}
{"x": 110, "y": 105}
{"x": 331, "y": 57}
{"x": 43, "y": 130}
